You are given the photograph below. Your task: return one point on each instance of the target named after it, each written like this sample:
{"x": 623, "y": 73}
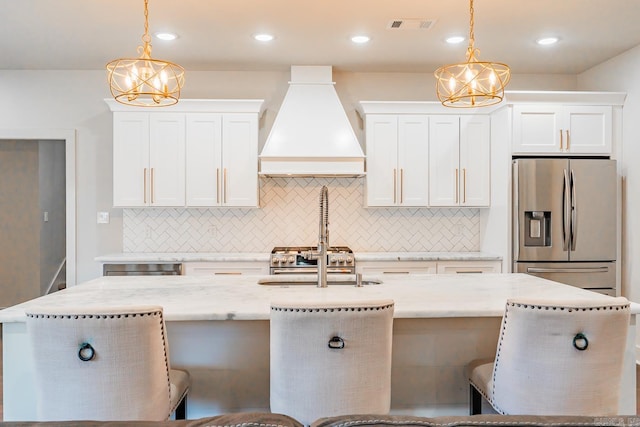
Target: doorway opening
{"x": 38, "y": 226}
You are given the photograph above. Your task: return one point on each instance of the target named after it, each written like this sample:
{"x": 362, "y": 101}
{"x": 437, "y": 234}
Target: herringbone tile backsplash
{"x": 289, "y": 217}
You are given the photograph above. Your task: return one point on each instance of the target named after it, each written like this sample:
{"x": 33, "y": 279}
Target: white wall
{"x": 621, "y": 74}
{"x": 74, "y": 100}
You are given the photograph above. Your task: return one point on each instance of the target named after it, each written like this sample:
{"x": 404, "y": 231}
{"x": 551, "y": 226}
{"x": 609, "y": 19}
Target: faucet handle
{"x": 359, "y": 280}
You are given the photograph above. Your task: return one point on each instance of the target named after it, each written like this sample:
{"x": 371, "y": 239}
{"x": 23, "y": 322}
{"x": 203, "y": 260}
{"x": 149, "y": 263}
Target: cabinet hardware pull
{"x": 468, "y": 271}
{"x": 401, "y": 185}
{"x": 561, "y": 149}
{"x": 144, "y": 186}
{"x": 153, "y": 188}
{"x": 456, "y": 175}
{"x": 225, "y": 186}
{"x": 464, "y": 185}
{"x": 395, "y": 174}
{"x": 227, "y": 273}
{"x": 218, "y": 185}
{"x": 567, "y": 132}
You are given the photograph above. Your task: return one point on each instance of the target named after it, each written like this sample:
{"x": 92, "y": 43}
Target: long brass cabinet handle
{"x": 217, "y": 185}
{"x": 401, "y": 185}
{"x": 561, "y": 142}
{"x": 144, "y": 185}
{"x": 457, "y": 185}
{"x": 225, "y": 186}
{"x": 395, "y": 174}
{"x": 153, "y": 190}
{"x": 464, "y": 185}
{"x": 567, "y": 132}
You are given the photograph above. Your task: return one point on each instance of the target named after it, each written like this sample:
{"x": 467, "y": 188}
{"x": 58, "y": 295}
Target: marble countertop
{"x": 148, "y": 257}
{"x": 190, "y": 298}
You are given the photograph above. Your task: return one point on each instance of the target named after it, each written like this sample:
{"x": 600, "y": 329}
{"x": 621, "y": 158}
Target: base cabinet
{"x": 427, "y": 267}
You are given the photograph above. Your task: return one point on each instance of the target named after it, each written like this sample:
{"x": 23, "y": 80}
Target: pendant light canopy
{"x": 144, "y": 81}
{"x": 472, "y": 83}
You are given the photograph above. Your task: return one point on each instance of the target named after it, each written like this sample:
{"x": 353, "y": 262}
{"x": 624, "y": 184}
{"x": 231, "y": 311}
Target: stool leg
{"x": 181, "y": 410}
{"x": 475, "y": 401}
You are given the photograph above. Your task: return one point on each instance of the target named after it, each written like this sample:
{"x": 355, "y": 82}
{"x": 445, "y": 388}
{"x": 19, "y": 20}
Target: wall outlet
{"x": 147, "y": 232}
{"x": 213, "y": 231}
{"x": 103, "y": 218}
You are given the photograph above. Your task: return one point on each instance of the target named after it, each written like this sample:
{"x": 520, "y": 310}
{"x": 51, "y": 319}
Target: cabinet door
{"x": 475, "y": 161}
{"x": 382, "y": 159}
{"x": 537, "y": 129}
{"x": 203, "y": 159}
{"x": 166, "y": 159}
{"x": 130, "y": 159}
{"x": 589, "y": 129}
{"x": 240, "y": 159}
{"x": 444, "y": 143}
{"x": 413, "y": 160}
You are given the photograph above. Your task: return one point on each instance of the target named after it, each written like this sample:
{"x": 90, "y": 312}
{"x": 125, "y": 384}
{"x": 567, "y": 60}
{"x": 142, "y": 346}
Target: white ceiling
{"x": 216, "y": 34}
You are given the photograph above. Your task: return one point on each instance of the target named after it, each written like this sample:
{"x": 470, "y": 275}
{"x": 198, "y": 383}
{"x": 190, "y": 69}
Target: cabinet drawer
{"x": 461, "y": 267}
{"x": 396, "y": 267}
{"x": 225, "y": 268}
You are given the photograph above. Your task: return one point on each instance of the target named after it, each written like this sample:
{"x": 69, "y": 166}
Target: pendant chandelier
{"x": 473, "y": 83}
{"x": 144, "y": 81}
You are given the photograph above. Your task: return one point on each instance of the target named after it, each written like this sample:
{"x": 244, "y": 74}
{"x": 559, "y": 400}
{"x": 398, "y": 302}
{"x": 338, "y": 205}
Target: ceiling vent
{"x": 410, "y": 24}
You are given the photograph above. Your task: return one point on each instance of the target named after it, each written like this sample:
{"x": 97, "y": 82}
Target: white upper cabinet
{"x": 459, "y": 161}
{"x": 148, "y": 160}
{"x": 222, "y": 159}
{"x": 562, "y": 129}
{"x": 397, "y": 160}
{"x": 200, "y": 153}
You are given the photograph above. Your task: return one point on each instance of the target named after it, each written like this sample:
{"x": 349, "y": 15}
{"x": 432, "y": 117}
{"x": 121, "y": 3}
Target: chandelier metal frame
{"x": 473, "y": 83}
{"x": 144, "y": 81}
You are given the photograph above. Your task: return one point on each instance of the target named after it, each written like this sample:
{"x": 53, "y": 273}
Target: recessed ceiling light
{"x": 360, "y": 39}
{"x": 547, "y": 41}
{"x": 263, "y": 37}
{"x": 166, "y": 36}
{"x": 454, "y": 39}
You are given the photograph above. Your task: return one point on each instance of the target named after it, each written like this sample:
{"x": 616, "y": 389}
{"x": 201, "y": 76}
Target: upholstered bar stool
{"x": 104, "y": 364}
{"x": 331, "y": 359}
{"x": 555, "y": 358}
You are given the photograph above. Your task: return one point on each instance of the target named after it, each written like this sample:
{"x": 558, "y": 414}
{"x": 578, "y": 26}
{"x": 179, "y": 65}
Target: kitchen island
{"x": 218, "y": 329}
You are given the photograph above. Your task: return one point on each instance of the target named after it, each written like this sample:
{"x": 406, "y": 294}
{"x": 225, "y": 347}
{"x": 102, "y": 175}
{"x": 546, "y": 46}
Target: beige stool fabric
{"x": 310, "y": 380}
{"x": 128, "y": 377}
{"x": 539, "y": 371}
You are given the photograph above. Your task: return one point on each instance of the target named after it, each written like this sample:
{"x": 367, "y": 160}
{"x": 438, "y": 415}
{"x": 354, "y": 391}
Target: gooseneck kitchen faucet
{"x": 323, "y": 237}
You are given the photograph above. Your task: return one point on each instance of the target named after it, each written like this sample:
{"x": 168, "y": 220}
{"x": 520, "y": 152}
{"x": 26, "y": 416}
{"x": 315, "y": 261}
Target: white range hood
{"x": 311, "y": 135}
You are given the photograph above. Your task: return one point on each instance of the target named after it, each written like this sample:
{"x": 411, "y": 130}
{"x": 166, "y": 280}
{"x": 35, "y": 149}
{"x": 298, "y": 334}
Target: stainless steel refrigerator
{"x": 565, "y": 221}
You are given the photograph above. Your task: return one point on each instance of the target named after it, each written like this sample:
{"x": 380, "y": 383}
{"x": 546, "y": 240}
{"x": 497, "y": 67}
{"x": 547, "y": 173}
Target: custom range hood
{"x": 311, "y": 135}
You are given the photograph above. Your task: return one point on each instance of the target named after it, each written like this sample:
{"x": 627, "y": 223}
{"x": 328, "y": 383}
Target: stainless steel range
{"x": 304, "y": 259}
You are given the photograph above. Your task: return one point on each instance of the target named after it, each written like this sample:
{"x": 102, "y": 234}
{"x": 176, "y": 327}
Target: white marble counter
{"x": 186, "y": 298}
{"x": 149, "y": 257}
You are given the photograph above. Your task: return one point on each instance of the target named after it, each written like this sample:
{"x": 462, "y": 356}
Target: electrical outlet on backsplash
{"x": 289, "y": 216}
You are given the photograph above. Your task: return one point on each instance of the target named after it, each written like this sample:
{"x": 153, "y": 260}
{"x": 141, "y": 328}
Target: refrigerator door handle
{"x": 574, "y": 213}
{"x": 516, "y": 212}
{"x": 565, "y": 213}
{"x": 568, "y": 270}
